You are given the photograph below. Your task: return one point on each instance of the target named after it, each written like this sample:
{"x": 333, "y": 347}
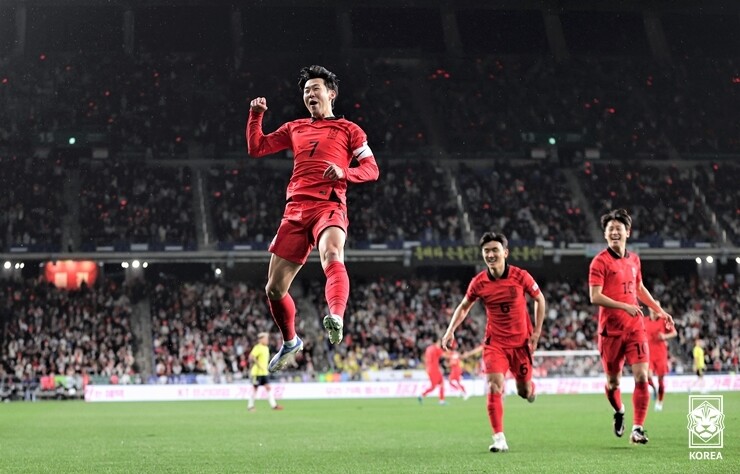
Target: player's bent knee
{"x": 612, "y": 382}
{"x": 332, "y": 255}
{"x": 639, "y": 377}
{"x": 274, "y": 293}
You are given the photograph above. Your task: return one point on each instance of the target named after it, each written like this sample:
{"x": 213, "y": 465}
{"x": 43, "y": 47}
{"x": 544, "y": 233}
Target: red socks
{"x": 337, "y": 287}
{"x": 337, "y": 294}
{"x": 615, "y": 398}
{"x": 640, "y": 402}
{"x": 431, "y": 389}
{"x": 457, "y": 385}
{"x": 283, "y": 312}
{"x": 496, "y": 412}
{"x": 661, "y": 389}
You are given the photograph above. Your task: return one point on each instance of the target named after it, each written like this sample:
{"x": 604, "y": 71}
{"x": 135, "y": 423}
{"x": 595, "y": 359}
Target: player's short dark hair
{"x": 494, "y": 236}
{"x": 620, "y": 215}
{"x": 318, "y": 72}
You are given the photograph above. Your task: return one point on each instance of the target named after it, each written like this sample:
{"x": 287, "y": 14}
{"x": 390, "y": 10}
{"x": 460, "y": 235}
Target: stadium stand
{"x": 131, "y": 144}
{"x": 56, "y": 338}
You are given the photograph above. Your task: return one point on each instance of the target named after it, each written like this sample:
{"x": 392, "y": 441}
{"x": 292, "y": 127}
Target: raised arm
{"x": 259, "y": 144}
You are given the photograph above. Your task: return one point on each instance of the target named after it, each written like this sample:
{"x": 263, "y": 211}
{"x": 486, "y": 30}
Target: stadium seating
{"x": 144, "y": 150}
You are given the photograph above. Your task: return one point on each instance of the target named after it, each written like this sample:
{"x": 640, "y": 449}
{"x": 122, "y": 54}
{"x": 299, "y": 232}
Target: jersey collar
{"x": 313, "y": 119}
{"x": 616, "y": 255}
{"x": 503, "y": 275}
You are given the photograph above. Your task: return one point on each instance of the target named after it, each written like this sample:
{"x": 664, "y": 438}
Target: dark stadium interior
{"x": 122, "y": 138}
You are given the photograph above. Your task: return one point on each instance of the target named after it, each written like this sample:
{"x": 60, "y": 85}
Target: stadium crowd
{"x": 208, "y": 328}
{"x": 413, "y": 202}
{"x": 242, "y": 203}
{"x": 529, "y": 202}
{"x": 718, "y": 183}
{"x": 161, "y": 105}
{"x": 147, "y": 109}
{"x": 32, "y": 207}
{"x": 54, "y": 340}
{"x": 150, "y": 106}
{"x": 663, "y": 201}
{"x": 129, "y": 203}
{"x": 502, "y": 100}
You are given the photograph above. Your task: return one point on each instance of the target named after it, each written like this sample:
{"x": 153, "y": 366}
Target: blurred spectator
{"x": 247, "y": 203}
{"x": 31, "y": 206}
{"x": 131, "y": 203}
{"x": 529, "y": 202}
{"x": 65, "y": 336}
{"x": 663, "y": 201}
{"x": 209, "y": 328}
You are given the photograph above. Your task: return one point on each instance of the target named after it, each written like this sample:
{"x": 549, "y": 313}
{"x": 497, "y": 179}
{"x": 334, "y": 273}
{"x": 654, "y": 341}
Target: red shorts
{"x": 632, "y": 347}
{"x": 456, "y": 374}
{"x": 498, "y": 360}
{"x": 658, "y": 362}
{"x": 302, "y": 223}
{"x": 435, "y": 376}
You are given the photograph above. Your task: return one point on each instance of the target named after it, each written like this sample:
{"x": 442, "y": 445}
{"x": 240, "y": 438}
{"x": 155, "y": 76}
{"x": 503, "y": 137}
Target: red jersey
{"x": 658, "y": 346}
{"x": 619, "y": 278}
{"x": 314, "y": 143}
{"x": 454, "y": 360}
{"x": 432, "y": 356}
{"x": 509, "y": 324}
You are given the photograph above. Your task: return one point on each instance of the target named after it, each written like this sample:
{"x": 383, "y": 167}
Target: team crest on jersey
{"x": 333, "y": 133}
{"x": 512, "y": 292}
{"x": 634, "y": 272}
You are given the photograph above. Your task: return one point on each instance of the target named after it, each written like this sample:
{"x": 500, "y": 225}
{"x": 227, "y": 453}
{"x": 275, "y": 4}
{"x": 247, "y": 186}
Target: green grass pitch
{"x": 558, "y": 433}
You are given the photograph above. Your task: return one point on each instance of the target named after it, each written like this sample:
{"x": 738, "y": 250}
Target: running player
{"x": 455, "y": 378}
{"x": 510, "y": 339}
{"x": 432, "y": 356}
{"x": 615, "y": 285}
{"x": 658, "y": 335}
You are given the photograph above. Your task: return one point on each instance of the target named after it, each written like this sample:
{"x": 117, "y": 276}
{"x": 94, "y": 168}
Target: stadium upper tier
{"x": 195, "y": 105}
{"x": 147, "y": 151}
{"x": 104, "y": 205}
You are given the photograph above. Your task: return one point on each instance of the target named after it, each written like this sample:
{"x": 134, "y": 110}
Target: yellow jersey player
{"x": 259, "y": 357}
{"x": 699, "y": 365}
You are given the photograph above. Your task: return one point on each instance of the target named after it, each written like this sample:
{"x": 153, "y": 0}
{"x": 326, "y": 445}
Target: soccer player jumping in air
{"x": 615, "y": 285}
{"x": 510, "y": 339}
{"x": 316, "y": 211}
